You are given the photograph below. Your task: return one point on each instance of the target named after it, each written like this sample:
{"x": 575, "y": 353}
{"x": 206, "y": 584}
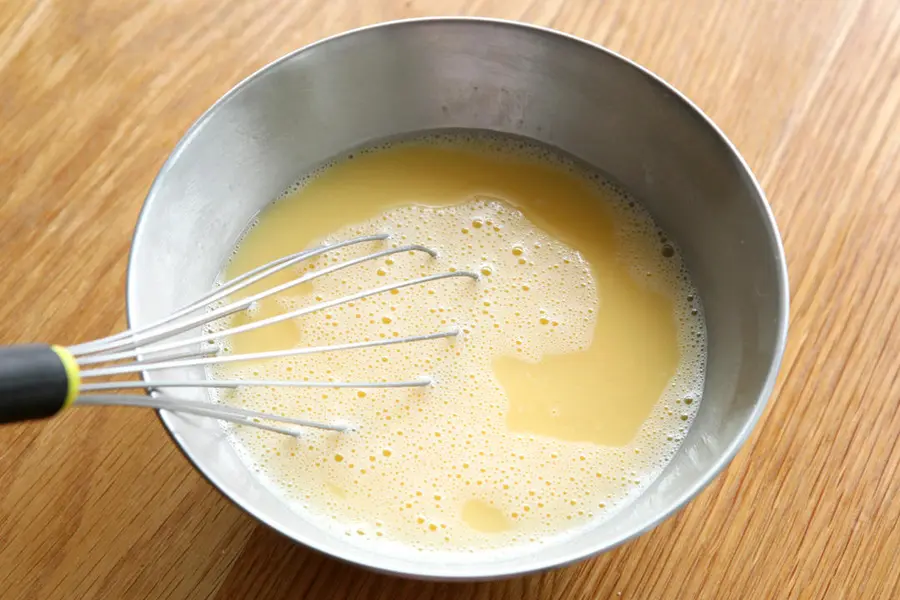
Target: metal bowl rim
{"x": 531, "y": 565}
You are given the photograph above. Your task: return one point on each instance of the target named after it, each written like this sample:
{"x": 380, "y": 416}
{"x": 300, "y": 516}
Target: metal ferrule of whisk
{"x": 153, "y": 347}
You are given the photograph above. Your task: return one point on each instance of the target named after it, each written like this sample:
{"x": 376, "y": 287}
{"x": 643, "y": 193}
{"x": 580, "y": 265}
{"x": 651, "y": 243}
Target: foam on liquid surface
{"x": 577, "y": 372}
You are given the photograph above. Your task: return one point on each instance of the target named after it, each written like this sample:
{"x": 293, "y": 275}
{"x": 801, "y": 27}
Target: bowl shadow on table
{"x": 273, "y": 567}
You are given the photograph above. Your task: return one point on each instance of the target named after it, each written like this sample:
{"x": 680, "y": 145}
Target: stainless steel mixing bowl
{"x": 404, "y": 77}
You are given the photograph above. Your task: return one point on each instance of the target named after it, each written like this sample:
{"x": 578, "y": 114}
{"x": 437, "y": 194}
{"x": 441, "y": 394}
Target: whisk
{"x": 40, "y": 380}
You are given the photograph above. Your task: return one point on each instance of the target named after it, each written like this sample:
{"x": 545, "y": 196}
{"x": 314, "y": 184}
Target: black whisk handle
{"x": 36, "y": 381}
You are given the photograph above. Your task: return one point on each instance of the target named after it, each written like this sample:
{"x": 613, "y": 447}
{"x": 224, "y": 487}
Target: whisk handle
{"x": 36, "y": 381}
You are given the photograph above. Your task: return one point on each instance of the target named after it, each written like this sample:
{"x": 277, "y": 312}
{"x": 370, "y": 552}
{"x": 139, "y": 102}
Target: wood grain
{"x": 99, "y": 504}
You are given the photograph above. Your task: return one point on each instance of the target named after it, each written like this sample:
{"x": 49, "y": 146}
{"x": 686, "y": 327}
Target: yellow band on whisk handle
{"x": 73, "y": 374}
{"x": 36, "y": 381}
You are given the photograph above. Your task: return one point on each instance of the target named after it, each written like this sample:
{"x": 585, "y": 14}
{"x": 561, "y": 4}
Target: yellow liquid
{"x": 576, "y": 373}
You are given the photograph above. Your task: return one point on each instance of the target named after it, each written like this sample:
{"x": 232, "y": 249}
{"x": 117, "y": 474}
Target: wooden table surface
{"x": 99, "y": 503}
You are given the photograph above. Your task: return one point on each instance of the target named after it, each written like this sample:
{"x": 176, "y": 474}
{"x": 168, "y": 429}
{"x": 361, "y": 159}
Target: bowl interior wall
{"x": 412, "y": 77}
